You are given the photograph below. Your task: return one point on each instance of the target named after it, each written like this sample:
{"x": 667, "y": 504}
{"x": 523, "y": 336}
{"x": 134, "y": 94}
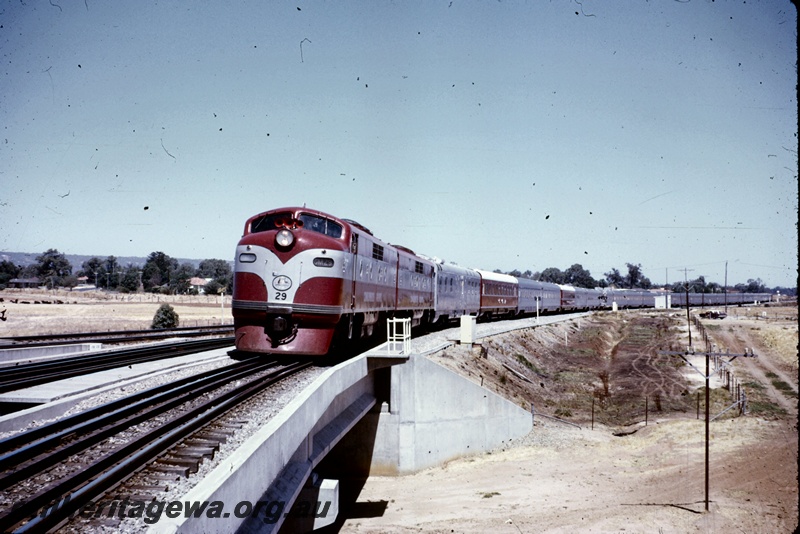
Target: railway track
{"x": 118, "y": 336}
{"x": 31, "y": 374}
{"x": 49, "y": 473}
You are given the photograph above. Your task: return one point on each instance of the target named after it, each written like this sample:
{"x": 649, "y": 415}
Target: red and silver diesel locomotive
{"x": 305, "y": 281}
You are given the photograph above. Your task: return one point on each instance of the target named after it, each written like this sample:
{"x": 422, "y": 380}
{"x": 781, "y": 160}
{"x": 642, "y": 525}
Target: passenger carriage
{"x": 538, "y": 296}
{"x": 499, "y": 295}
{"x": 458, "y": 292}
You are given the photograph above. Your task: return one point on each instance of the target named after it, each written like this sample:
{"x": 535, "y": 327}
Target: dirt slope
{"x": 621, "y": 476}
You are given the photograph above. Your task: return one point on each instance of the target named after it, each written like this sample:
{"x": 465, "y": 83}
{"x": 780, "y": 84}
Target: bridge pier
{"x": 432, "y": 415}
{"x": 375, "y": 414}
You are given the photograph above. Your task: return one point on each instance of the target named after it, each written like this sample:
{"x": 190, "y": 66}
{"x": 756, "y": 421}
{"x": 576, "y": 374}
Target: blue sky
{"x": 498, "y": 135}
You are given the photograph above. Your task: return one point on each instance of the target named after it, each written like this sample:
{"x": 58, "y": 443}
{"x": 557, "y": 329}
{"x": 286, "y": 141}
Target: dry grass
{"x": 782, "y": 340}
{"x": 47, "y": 312}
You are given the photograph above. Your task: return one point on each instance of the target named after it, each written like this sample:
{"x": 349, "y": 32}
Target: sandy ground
{"x": 563, "y": 479}
{"x": 591, "y": 481}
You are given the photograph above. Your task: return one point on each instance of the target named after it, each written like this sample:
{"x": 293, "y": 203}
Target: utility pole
{"x": 726, "y": 288}
{"x": 707, "y": 376}
{"x": 688, "y": 317}
{"x": 222, "y": 306}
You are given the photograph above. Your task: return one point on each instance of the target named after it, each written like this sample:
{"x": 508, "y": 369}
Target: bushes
{"x": 165, "y": 317}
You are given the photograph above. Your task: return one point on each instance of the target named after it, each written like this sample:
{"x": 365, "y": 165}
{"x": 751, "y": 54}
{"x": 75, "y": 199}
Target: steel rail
{"x": 54, "y": 505}
{"x": 30, "y": 458}
{"x": 31, "y": 374}
{"x": 50, "y": 339}
{"x": 27, "y": 437}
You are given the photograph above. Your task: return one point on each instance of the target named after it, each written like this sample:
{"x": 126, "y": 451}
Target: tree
{"x": 180, "y": 279}
{"x": 129, "y": 282}
{"x": 219, "y": 270}
{"x": 213, "y": 288}
{"x": 52, "y": 267}
{"x": 94, "y": 269}
{"x": 755, "y": 286}
{"x": 614, "y": 278}
{"x": 713, "y": 287}
{"x": 576, "y": 275}
{"x": 8, "y": 271}
{"x": 216, "y": 269}
{"x": 634, "y": 275}
{"x": 552, "y": 275}
{"x": 29, "y": 271}
{"x": 112, "y": 268}
{"x": 698, "y": 285}
{"x": 678, "y": 287}
{"x": 157, "y": 270}
{"x": 165, "y": 317}
{"x": 635, "y": 278}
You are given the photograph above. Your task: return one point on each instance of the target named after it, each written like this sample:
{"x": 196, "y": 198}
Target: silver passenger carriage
{"x": 538, "y": 296}
{"x": 458, "y": 292}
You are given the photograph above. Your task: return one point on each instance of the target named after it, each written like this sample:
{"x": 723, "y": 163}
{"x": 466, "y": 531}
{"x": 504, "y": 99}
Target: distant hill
{"x": 24, "y": 259}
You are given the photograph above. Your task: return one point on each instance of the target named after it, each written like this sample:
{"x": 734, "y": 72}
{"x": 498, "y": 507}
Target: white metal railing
{"x": 399, "y": 336}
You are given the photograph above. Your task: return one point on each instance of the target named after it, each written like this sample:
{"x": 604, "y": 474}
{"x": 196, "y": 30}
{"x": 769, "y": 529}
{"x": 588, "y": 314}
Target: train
{"x": 307, "y": 283}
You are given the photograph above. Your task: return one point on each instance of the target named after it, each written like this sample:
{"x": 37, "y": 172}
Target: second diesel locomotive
{"x": 305, "y": 281}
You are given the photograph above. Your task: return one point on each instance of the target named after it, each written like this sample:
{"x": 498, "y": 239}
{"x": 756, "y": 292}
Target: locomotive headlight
{"x": 284, "y": 238}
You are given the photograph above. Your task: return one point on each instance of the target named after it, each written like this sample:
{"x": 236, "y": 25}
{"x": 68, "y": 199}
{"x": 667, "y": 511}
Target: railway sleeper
{"x": 171, "y": 469}
{"x": 192, "y": 463}
{"x": 221, "y": 437}
{"x": 201, "y": 452}
{"x": 202, "y": 443}
{"x": 148, "y": 489}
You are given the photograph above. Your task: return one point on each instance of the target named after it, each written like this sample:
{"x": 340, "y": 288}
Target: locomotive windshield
{"x": 268, "y": 222}
{"x": 309, "y": 222}
{"x": 321, "y": 225}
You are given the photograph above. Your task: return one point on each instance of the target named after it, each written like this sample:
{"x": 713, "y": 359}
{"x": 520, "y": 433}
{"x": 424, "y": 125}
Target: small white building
{"x": 663, "y": 302}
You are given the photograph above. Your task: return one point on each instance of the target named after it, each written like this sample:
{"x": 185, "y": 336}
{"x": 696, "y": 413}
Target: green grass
{"x": 780, "y": 385}
{"x": 527, "y": 363}
{"x": 753, "y": 385}
{"x": 563, "y": 412}
{"x": 783, "y": 387}
{"x": 765, "y": 409}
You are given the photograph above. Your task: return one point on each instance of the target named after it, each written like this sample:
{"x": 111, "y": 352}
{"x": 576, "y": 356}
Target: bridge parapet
{"x": 390, "y": 414}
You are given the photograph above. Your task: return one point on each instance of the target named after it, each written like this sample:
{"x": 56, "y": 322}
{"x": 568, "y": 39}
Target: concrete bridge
{"x": 376, "y": 414}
